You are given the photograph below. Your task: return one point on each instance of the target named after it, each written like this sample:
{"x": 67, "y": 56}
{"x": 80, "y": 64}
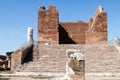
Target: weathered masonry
{"x": 69, "y": 48}
{"x": 51, "y": 31}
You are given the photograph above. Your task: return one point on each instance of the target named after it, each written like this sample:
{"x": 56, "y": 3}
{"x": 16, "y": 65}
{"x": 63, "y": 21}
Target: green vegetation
{"x": 6, "y": 72}
{"x": 4, "y": 78}
{"x": 42, "y": 77}
{"x": 9, "y": 53}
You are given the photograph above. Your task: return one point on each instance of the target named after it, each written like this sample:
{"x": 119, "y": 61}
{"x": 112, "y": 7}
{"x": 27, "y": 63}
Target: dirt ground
{"x": 29, "y": 78}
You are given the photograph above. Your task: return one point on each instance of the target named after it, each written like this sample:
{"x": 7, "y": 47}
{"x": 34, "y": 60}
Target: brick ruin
{"x": 51, "y": 31}
{"x": 48, "y": 58}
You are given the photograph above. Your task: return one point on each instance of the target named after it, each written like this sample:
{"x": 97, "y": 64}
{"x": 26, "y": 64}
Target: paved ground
{"x": 88, "y": 78}
{"x": 102, "y": 78}
{"x": 24, "y": 78}
{"x": 29, "y": 78}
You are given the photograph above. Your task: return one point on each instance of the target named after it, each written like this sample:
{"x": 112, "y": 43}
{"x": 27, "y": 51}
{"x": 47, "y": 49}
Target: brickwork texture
{"x": 51, "y": 31}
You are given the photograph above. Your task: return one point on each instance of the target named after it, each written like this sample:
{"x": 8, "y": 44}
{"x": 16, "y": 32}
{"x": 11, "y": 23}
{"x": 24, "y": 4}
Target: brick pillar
{"x": 48, "y": 25}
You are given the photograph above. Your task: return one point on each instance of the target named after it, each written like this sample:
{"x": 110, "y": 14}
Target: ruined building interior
{"x": 74, "y": 50}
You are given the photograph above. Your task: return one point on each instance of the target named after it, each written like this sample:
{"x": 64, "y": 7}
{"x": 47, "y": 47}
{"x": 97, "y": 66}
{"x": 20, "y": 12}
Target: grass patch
{"x": 4, "y": 78}
{"x": 6, "y": 72}
{"x": 42, "y": 77}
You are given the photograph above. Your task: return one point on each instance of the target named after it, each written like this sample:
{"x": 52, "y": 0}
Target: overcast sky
{"x": 17, "y": 15}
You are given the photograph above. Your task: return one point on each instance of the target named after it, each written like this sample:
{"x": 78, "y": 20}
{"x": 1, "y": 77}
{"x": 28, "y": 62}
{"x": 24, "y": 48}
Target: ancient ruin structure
{"x": 51, "y": 31}
{"x": 3, "y": 62}
{"x": 82, "y": 59}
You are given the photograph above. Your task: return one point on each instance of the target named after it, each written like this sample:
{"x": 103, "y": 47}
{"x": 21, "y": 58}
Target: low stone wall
{"x": 18, "y": 56}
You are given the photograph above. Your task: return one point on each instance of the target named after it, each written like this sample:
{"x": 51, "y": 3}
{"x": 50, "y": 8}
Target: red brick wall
{"x": 76, "y": 31}
{"x": 51, "y": 31}
{"x": 18, "y": 56}
{"x": 48, "y": 25}
{"x": 98, "y": 30}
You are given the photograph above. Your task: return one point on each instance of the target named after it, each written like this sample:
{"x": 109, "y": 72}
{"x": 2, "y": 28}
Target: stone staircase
{"x": 46, "y": 59}
{"x": 100, "y": 60}
{"x": 104, "y": 62}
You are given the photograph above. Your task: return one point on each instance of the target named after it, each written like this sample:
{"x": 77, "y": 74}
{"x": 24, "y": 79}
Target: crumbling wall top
{"x": 42, "y": 8}
{"x": 53, "y": 9}
{"x": 99, "y": 10}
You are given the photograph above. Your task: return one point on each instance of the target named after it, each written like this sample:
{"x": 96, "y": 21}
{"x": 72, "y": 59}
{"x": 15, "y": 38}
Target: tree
{"x": 9, "y": 53}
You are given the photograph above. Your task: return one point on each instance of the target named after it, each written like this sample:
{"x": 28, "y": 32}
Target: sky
{"x": 17, "y": 15}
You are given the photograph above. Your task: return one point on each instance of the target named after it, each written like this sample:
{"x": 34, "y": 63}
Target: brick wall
{"x": 51, "y": 31}
{"x": 18, "y": 57}
{"x": 75, "y": 30}
{"x": 15, "y": 60}
{"x": 48, "y": 25}
{"x": 97, "y": 32}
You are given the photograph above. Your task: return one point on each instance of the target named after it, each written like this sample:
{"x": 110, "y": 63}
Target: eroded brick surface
{"x": 51, "y": 31}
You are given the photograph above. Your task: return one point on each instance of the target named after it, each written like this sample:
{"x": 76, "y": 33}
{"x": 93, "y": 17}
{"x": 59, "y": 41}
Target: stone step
{"x": 37, "y": 63}
{"x": 97, "y": 57}
{"x": 42, "y": 69}
{"x": 77, "y": 76}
